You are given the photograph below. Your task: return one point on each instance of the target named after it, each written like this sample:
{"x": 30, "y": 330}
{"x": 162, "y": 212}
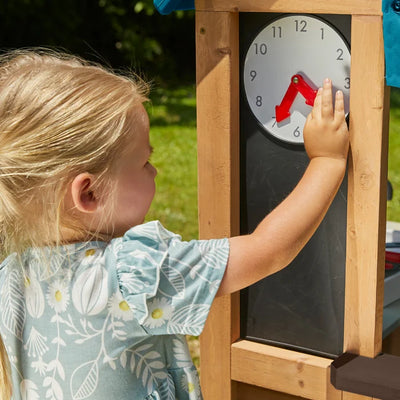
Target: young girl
{"x": 94, "y": 302}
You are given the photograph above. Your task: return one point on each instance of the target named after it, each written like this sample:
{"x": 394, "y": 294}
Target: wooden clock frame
{"x": 231, "y": 368}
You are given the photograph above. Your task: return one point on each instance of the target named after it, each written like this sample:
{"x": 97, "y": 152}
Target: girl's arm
{"x": 283, "y": 233}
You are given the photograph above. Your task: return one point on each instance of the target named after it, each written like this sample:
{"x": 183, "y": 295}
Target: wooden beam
{"x": 359, "y": 7}
{"x": 367, "y": 190}
{"x": 369, "y": 115}
{"x": 251, "y": 392}
{"x": 217, "y": 54}
{"x": 282, "y": 370}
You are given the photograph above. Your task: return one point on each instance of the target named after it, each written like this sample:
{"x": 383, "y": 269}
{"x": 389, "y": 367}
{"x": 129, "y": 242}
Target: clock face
{"x": 284, "y": 66}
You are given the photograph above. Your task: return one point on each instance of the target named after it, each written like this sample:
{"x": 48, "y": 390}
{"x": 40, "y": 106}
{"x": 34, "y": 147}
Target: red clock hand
{"x": 283, "y": 110}
{"x": 305, "y": 89}
{"x": 297, "y": 84}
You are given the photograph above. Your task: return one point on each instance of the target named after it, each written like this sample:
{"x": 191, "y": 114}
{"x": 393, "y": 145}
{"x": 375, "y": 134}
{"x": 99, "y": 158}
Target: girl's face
{"x": 134, "y": 179}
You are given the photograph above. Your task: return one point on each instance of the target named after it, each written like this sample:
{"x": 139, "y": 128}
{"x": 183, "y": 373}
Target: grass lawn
{"x": 173, "y": 136}
{"x": 393, "y": 209}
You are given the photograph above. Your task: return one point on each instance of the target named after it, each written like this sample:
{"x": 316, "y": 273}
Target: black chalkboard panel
{"x": 302, "y": 306}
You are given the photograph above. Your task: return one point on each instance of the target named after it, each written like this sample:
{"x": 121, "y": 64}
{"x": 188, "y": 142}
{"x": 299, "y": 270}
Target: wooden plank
{"x": 218, "y": 123}
{"x": 367, "y": 191}
{"x": 281, "y": 370}
{"x": 251, "y": 392}
{"x": 360, "y": 7}
{"x": 217, "y": 56}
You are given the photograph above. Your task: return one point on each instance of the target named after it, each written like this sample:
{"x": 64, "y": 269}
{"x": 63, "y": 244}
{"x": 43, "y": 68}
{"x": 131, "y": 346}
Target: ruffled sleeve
{"x": 169, "y": 284}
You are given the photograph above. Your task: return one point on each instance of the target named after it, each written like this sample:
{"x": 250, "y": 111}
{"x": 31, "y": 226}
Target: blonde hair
{"x": 59, "y": 116}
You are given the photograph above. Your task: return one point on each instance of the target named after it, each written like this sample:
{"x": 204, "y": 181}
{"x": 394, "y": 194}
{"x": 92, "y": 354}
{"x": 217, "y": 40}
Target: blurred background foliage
{"x": 119, "y": 33}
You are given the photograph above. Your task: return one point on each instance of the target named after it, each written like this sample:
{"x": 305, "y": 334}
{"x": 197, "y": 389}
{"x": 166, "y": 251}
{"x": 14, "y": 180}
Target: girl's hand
{"x": 325, "y": 132}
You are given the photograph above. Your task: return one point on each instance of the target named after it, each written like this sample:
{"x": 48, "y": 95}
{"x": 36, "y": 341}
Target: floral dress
{"x": 107, "y": 320}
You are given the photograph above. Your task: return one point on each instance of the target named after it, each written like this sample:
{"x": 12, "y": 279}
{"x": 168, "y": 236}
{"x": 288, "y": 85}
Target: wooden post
{"x": 217, "y": 52}
{"x": 369, "y": 116}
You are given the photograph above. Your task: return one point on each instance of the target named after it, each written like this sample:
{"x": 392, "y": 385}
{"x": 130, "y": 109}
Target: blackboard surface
{"x": 302, "y": 306}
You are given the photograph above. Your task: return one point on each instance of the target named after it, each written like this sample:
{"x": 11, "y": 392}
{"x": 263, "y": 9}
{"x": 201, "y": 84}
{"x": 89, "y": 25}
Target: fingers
{"x": 326, "y": 99}
{"x": 339, "y": 107}
{"x": 316, "y": 110}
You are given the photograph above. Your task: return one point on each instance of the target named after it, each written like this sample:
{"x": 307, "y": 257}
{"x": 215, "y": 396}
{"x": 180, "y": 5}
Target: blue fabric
{"x": 108, "y": 320}
{"x": 391, "y": 35}
{"x": 165, "y": 7}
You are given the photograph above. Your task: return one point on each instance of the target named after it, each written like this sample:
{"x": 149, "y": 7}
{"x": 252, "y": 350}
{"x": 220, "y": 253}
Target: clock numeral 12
{"x": 301, "y": 25}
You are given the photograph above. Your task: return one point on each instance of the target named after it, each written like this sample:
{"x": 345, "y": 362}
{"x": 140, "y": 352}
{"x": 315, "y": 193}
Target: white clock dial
{"x": 292, "y": 56}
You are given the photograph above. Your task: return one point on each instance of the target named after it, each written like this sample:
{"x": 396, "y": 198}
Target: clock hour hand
{"x": 305, "y": 89}
{"x": 297, "y": 84}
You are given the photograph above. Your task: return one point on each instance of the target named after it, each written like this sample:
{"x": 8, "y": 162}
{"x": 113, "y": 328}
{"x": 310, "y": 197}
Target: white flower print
{"x": 119, "y": 308}
{"x": 39, "y": 366}
{"x": 35, "y": 344}
{"x": 58, "y": 296}
{"x": 191, "y": 385}
{"x": 160, "y": 311}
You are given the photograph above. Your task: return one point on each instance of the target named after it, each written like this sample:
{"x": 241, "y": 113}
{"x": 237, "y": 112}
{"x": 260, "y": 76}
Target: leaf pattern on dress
{"x": 211, "y": 253}
{"x": 181, "y": 353}
{"x": 189, "y": 319}
{"x": 84, "y": 380}
{"x": 54, "y": 392}
{"x": 28, "y": 390}
{"x": 167, "y": 389}
{"x": 13, "y": 305}
{"x": 147, "y": 365}
{"x": 174, "y": 282}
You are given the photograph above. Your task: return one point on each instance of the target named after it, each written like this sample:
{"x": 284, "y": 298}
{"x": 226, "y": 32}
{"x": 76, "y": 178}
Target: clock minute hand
{"x": 305, "y": 89}
{"x": 282, "y": 111}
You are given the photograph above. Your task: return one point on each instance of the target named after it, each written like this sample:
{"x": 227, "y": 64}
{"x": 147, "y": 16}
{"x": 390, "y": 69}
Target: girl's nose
{"x": 154, "y": 170}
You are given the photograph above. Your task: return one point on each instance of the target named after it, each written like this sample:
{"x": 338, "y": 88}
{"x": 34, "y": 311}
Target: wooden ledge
{"x": 282, "y": 370}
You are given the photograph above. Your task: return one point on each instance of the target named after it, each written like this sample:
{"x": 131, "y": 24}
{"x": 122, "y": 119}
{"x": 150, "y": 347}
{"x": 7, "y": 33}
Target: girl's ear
{"x": 82, "y": 193}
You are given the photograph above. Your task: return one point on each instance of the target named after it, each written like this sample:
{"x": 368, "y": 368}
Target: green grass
{"x": 173, "y": 135}
{"x": 393, "y": 207}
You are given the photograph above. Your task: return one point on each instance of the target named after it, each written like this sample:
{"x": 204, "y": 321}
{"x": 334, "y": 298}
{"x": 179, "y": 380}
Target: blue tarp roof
{"x": 167, "y": 6}
{"x": 391, "y": 36}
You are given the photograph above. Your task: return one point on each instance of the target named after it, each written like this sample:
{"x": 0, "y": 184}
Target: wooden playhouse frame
{"x": 232, "y": 368}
